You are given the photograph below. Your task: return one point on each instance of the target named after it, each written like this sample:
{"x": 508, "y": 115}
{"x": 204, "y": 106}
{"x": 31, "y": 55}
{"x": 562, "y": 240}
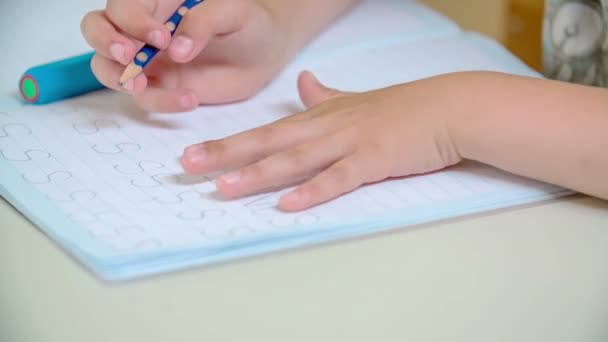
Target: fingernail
{"x": 231, "y": 178}
{"x": 187, "y": 101}
{"x": 156, "y": 38}
{"x": 117, "y": 51}
{"x": 182, "y": 46}
{"x": 193, "y": 149}
{"x": 128, "y": 85}
{"x": 195, "y": 154}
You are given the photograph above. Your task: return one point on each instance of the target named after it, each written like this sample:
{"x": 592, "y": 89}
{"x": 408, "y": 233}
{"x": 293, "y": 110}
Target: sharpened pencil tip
{"x": 130, "y": 73}
{"x": 120, "y": 84}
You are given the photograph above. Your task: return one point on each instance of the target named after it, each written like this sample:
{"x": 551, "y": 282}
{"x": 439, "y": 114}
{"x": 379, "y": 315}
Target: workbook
{"x": 103, "y": 180}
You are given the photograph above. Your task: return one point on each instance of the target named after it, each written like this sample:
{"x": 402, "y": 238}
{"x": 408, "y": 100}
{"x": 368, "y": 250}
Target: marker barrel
{"x": 59, "y": 80}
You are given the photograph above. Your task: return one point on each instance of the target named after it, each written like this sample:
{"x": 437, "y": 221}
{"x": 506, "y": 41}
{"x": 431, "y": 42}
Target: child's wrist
{"x": 469, "y": 101}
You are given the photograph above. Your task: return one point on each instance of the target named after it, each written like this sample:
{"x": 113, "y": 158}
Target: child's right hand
{"x": 243, "y": 49}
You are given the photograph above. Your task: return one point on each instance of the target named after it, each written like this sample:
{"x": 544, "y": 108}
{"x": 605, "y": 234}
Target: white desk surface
{"x": 529, "y": 274}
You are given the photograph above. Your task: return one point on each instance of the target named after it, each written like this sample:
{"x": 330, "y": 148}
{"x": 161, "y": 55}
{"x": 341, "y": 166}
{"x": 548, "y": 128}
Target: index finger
{"x": 140, "y": 20}
{"x": 252, "y": 145}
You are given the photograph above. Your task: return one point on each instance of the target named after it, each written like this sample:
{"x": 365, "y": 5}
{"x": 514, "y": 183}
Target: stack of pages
{"x": 103, "y": 179}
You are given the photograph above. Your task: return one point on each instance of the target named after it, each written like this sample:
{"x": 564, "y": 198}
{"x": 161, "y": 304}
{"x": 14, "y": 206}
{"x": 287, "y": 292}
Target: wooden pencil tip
{"x": 130, "y": 73}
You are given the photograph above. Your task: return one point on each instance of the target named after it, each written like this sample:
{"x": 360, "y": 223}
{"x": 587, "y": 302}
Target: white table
{"x": 529, "y": 274}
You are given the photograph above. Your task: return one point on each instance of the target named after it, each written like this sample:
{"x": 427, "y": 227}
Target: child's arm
{"x": 550, "y": 131}
{"x": 553, "y": 131}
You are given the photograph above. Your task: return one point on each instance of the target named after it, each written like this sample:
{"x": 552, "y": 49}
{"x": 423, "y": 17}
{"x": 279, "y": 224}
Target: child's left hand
{"x": 343, "y": 141}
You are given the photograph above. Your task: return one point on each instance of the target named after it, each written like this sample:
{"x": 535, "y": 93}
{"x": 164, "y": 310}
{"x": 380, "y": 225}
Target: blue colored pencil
{"x": 147, "y": 53}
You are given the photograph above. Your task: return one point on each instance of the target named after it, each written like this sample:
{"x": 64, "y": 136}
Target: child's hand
{"x": 342, "y": 141}
{"x": 243, "y": 50}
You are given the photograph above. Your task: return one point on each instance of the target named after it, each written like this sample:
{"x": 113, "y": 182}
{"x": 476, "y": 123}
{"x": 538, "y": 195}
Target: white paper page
{"x": 114, "y": 171}
{"x": 373, "y": 21}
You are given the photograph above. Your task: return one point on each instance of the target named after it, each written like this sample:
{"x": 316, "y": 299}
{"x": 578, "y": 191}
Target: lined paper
{"x": 103, "y": 179}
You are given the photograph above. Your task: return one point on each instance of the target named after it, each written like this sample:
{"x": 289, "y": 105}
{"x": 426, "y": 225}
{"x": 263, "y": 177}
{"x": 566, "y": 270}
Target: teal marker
{"x": 59, "y": 80}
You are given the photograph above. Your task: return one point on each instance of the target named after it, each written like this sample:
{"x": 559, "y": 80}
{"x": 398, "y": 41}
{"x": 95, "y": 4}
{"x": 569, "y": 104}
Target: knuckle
{"x": 85, "y": 22}
{"x": 269, "y": 134}
{"x": 343, "y": 172}
{"x": 120, "y": 13}
{"x": 137, "y": 29}
{"x": 297, "y": 156}
{"x": 111, "y": 6}
{"x": 191, "y": 19}
{"x": 150, "y": 6}
{"x": 91, "y": 26}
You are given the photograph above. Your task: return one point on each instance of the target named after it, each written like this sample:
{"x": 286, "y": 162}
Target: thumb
{"x": 200, "y": 24}
{"x": 312, "y": 92}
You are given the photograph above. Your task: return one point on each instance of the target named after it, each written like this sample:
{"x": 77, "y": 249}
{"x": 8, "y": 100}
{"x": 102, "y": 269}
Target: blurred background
{"x": 517, "y": 24}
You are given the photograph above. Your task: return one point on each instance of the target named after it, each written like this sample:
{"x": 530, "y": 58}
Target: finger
{"x": 312, "y": 92}
{"x": 203, "y": 22}
{"x": 250, "y": 146}
{"x": 166, "y": 100}
{"x": 246, "y": 147}
{"x": 288, "y": 167}
{"x": 102, "y": 36}
{"x": 135, "y": 18}
{"x": 342, "y": 177}
{"x": 108, "y": 73}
